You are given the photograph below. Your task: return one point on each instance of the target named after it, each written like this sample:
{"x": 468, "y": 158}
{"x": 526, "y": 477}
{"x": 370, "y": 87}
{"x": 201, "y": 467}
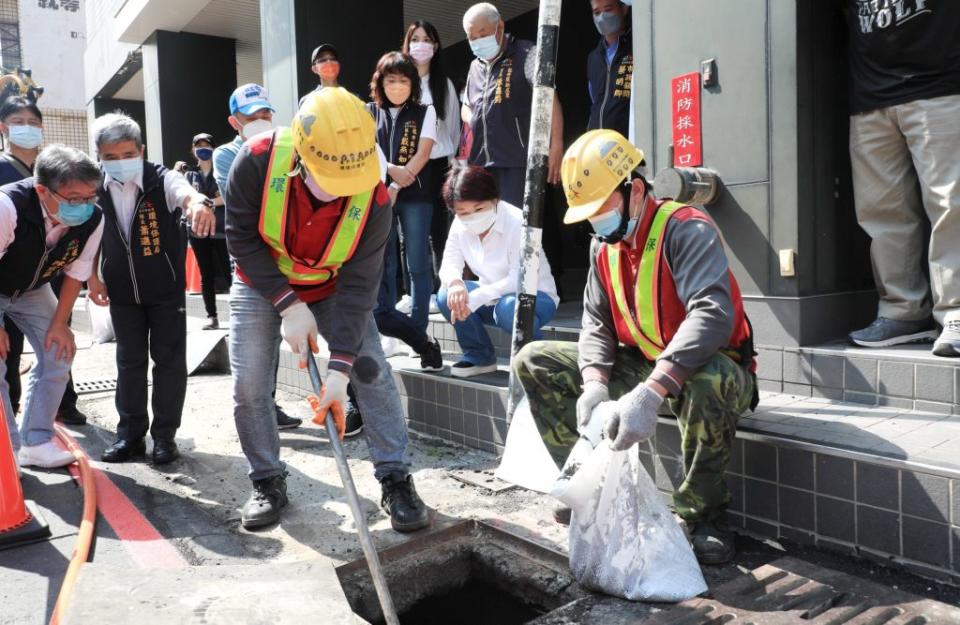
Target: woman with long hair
{"x": 422, "y": 43}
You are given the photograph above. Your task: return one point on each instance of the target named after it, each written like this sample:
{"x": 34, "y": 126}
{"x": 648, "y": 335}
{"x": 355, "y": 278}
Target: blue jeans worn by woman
{"x": 472, "y": 335}
{"x": 390, "y": 321}
{"x": 415, "y": 219}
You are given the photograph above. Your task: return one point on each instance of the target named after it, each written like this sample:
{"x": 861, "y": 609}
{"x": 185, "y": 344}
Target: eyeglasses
{"x": 328, "y": 59}
{"x": 77, "y": 202}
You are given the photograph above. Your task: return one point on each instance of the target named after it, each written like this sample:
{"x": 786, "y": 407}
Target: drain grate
{"x": 791, "y": 591}
{"x": 96, "y": 386}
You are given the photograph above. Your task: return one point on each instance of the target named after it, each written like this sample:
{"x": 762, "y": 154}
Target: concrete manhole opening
{"x": 469, "y": 573}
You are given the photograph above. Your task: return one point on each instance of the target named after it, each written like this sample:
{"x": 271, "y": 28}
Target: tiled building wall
{"x": 853, "y": 505}
{"x": 873, "y": 378}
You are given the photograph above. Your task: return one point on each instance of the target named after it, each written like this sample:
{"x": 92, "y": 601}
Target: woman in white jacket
{"x": 485, "y": 236}
{"x": 422, "y": 42}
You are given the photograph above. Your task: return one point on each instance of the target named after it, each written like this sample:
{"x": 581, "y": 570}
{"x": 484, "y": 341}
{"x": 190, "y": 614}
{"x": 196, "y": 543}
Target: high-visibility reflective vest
{"x": 274, "y": 217}
{"x": 657, "y": 311}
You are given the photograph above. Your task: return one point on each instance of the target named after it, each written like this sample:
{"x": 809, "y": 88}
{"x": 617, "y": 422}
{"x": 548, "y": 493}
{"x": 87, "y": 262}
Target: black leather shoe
{"x": 72, "y": 417}
{"x": 285, "y": 421}
{"x": 165, "y": 451}
{"x": 263, "y": 507}
{"x": 124, "y": 451}
{"x": 711, "y": 544}
{"x": 407, "y": 511}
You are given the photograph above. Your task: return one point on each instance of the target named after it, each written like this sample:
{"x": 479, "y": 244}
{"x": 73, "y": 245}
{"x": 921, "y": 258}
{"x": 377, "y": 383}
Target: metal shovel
{"x": 369, "y": 551}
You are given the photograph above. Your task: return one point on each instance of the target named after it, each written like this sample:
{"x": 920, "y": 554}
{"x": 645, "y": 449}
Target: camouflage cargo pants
{"x": 707, "y": 412}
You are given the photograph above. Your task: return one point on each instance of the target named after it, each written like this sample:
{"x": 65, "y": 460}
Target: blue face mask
{"x": 606, "y": 224}
{"x": 123, "y": 170}
{"x": 485, "y": 48}
{"x": 73, "y": 215}
{"x": 26, "y": 137}
{"x": 204, "y": 154}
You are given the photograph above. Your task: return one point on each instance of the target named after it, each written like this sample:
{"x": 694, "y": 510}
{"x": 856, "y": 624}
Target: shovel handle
{"x": 359, "y": 517}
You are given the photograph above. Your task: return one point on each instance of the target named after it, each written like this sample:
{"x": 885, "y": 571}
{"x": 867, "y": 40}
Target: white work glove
{"x": 334, "y": 389}
{"x": 632, "y": 418}
{"x": 593, "y": 393}
{"x": 298, "y": 327}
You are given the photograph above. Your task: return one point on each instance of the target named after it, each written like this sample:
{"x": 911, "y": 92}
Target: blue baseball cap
{"x": 248, "y": 99}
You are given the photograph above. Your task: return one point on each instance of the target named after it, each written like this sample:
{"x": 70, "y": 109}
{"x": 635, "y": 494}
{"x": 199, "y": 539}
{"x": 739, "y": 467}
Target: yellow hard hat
{"x": 592, "y": 168}
{"x": 336, "y": 139}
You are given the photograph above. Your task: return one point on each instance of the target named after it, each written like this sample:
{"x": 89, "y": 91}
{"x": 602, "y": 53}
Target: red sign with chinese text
{"x": 685, "y": 116}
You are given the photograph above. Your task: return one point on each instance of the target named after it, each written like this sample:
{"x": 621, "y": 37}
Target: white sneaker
{"x": 405, "y": 305}
{"x": 391, "y": 346}
{"x": 433, "y": 304}
{"x": 46, "y": 456}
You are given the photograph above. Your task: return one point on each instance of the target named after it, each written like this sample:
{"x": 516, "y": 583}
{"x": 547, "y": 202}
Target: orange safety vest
{"x": 656, "y": 311}
{"x": 274, "y": 216}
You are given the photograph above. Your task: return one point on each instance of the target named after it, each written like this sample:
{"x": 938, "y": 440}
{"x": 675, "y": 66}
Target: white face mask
{"x": 479, "y": 222}
{"x": 255, "y": 127}
{"x": 315, "y": 189}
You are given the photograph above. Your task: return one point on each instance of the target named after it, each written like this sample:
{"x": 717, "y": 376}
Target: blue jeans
{"x": 390, "y": 321}
{"x": 472, "y": 335}
{"x": 415, "y": 219}
{"x": 32, "y": 312}
{"x": 254, "y": 353}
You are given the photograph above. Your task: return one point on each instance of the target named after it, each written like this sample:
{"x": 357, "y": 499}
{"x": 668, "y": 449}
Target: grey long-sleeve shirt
{"x": 358, "y": 281}
{"x": 699, "y": 266}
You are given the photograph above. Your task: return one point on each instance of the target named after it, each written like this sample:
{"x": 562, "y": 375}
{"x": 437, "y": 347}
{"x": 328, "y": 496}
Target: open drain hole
{"x": 469, "y": 574}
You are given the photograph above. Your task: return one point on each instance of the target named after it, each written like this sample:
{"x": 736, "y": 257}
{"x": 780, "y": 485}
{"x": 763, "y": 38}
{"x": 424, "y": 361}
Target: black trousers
{"x": 13, "y": 362}
{"x": 158, "y": 332}
{"x": 213, "y": 261}
{"x": 442, "y": 218}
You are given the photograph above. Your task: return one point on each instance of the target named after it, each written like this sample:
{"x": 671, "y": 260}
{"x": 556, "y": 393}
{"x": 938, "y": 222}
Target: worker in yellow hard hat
{"x": 308, "y": 217}
{"x": 662, "y": 320}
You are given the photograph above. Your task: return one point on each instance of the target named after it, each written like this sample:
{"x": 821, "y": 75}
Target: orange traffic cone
{"x": 20, "y": 522}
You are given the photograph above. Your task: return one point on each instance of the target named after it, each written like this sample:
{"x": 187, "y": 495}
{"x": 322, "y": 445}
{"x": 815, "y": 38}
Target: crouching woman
{"x": 485, "y": 237}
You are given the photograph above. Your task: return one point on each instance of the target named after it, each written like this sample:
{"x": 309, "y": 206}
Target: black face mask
{"x": 617, "y": 235}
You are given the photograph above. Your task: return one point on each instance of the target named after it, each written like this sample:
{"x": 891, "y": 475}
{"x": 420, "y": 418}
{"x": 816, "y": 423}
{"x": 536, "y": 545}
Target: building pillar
{"x": 279, "y": 55}
{"x": 187, "y": 82}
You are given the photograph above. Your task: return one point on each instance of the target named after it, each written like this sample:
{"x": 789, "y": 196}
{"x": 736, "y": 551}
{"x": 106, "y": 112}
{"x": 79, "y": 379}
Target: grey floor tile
{"x": 860, "y": 375}
{"x": 760, "y": 460}
{"x": 878, "y": 486}
{"x": 760, "y": 499}
{"x": 835, "y": 519}
{"x": 878, "y": 529}
{"x": 896, "y": 378}
{"x": 926, "y": 496}
{"x": 797, "y": 508}
{"x": 834, "y": 476}
{"x": 935, "y": 383}
{"x": 795, "y": 467}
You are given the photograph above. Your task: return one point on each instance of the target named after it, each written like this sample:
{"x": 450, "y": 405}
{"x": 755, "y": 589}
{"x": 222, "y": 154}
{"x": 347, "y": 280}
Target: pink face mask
{"x": 315, "y": 189}
{"x": 421, "y": 51}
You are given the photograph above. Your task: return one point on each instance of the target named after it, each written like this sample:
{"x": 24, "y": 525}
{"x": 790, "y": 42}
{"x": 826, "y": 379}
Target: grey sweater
{"x": 358, "y": 280}
{"x": 695, "y": 255}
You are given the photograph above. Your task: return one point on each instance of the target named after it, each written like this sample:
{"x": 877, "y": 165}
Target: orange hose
{"x": 87, "y": 523}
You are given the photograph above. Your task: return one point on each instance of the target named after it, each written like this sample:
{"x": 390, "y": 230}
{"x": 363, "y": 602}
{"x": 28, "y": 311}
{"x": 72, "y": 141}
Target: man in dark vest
{"x": 49, "y": 225}
{"x": 610, "y": 67}
{"x": 307, "y": 221}
{"x": 663, "y": 320}
{"x": 499, "y": 94}
{"x": 142, "y": 267}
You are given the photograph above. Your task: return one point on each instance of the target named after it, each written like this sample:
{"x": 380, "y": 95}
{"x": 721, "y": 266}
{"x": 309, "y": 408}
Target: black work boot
{"x": 263, "y": 507}
{"x": 407, "y": 511}
{"x": 711, "y": 544}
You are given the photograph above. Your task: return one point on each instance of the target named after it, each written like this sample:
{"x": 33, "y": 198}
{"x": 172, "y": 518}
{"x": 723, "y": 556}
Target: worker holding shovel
{"x": 307, "y": 221}
{"x": 663, "y": 320}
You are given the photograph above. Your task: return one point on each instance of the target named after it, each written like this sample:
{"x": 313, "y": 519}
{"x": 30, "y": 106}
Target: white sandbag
{"x": 623, "y": 540}
{"x": 101, "y": 322}
{"x": 526, "y": 461}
